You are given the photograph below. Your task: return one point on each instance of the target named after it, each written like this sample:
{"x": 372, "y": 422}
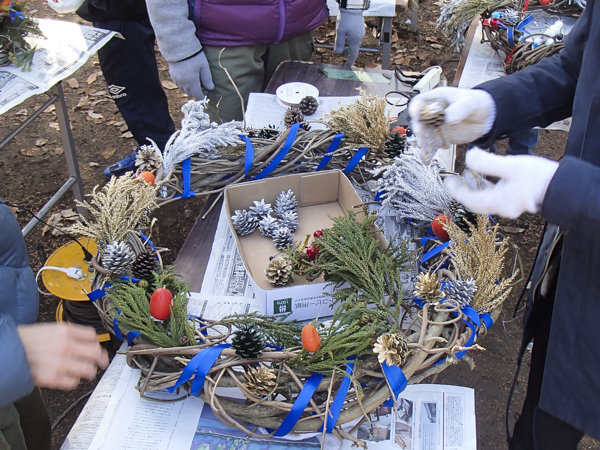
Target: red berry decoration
{"x": 310, "y": 338}
{"x": 438, "y": 227}
{"x": 160, "y": 304}
{"x": 400, "y": 129}
{"x": 318, "y": 233}
{"x": 312, "y": 251}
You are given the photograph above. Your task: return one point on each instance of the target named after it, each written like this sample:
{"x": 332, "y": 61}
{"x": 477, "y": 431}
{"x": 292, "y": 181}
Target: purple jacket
{"x": 255, "y": 22}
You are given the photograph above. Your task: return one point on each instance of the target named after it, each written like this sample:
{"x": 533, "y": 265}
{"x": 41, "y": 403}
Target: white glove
{"x": 191, "y": 75}
{"x": 350, "y": 23}
{"x": 468, "y": 114}
{"x": 65, "y": 6}
{"x": 522, "y": 186}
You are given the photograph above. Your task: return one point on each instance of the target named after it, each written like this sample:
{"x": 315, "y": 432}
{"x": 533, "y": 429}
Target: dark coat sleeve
{"x": 15, "y": 377}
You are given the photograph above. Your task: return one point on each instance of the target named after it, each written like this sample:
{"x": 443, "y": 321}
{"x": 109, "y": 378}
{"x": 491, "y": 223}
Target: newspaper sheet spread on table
{"x": 484, "y": 64}
{"x": 66, "y": 47}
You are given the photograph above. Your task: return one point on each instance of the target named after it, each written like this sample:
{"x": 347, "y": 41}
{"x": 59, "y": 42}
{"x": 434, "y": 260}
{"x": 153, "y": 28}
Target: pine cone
{"x": 268, "y": 225}
{"x": 391, "y": 349}
{"x": 118, "y": 258}
{"x": 433, "y": 114}
{"x": 463, "y": 217}
{"x": 244, "y": 222}
{"x": 462, "y": 291}
{"x": 395, "y": 144}
{"x": 147, "y": 159}
{"x": 247, "y": 342}
{"x": 289, "y": 219}
{"x": 308, "y": 105}
{"x": 453, "y": 207}
{"x": 283, "y": 238}
{"x": 510, "y": 17}
{"x": 428, "y": 288}
{"x": 260, "y": 381}
{"x": 279, "y": 271}
{"x": 260, "y": 209}
{"x": 269, "y": 133}
{"x": 144, "y": 265}
{"x": 293, "y": 115}
{"x": 286, "y": 201}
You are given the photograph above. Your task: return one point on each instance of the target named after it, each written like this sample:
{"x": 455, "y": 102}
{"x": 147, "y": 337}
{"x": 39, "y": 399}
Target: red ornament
{"x": 438, "y": 227}
{"x": 312, "y": 251}
{"x": 160, "y": 304}
{"x": 148, "y": 177}
{"x": 318, "y": 233}
{"x": 310, "y": 338}
{"x": 400, "y": 129}
{"x": 545, "y": 2}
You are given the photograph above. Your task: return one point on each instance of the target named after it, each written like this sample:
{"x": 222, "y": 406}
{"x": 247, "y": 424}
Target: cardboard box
{"x": 320, "y": 196}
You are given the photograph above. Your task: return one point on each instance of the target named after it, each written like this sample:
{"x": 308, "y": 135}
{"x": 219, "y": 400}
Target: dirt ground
{"x": 32, "y": 168}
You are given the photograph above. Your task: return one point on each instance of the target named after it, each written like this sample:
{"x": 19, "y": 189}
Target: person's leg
{"x": 35, "y": 421}
{"x": 131, "y": 74}
{"x": 301, "y": 48}
{"x": 246, "y": 68}
{"x": 521, "y": 142}
{"x": 11, "y": 435}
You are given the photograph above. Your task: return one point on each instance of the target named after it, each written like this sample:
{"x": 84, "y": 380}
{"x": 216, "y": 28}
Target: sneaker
{"x": 117, "y": 169}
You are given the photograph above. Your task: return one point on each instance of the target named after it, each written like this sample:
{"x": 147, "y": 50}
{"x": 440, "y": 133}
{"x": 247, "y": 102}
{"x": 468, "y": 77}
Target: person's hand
{"x": 522, "y": 186}
{"x": 468, "y": 114}
{"x": 65, "y": 6}
{"x": 60, "y": 354}
{"x": 350, "y": 23}
{"x": 192, "y": 75}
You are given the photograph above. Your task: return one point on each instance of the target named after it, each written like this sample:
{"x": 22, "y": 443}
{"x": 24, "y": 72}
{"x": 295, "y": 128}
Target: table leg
{"x": 386, "y": 42}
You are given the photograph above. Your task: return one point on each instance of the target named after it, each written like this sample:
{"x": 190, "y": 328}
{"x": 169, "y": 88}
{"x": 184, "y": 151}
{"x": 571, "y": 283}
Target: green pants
{"x": 25, "y": 425}
{"x": 251, "y": 68}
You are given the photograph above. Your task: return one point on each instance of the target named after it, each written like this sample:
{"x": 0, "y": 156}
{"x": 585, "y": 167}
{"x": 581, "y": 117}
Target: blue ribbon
{"x": 186, "y": 169}
{"x": 470, "y": 312}
{"x": 340, "y": 398}
{"x": 434, "y": 251}
{"x": 396, "y": 379}
{"x": 299, "y": 405}
{"x": 249, "y": 154}
{"x": 289, "y": 141}
{"x": 356, "y": 159}
{"x": 200, "y": 365}
{"x": 147, "y": 239}
{"x": 510, "y": 32}
{"x": 131, "y": 336}
{"x": 116, "y": 327}
{"x": 335, "y": 143}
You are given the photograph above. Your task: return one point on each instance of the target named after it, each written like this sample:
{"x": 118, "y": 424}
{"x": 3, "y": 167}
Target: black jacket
{"x": 567, "y": 84}
{"x": 106, "y": 10}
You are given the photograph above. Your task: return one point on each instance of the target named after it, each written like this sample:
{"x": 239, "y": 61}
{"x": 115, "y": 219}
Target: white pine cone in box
{"x": 286, "y": 201}
{"x": 244, "y": 222}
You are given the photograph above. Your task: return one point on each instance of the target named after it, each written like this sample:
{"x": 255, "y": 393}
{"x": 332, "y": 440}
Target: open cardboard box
{"x": 320, "y": 196}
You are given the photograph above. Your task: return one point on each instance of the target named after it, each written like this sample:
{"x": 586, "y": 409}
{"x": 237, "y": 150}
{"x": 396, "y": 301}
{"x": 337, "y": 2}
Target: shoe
{"x": 117, "y": 169}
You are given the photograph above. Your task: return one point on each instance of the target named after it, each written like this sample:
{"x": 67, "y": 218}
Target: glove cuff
{"x": 191, "y": 56}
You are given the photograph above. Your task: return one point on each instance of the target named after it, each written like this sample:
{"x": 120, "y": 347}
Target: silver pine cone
{"x": 289, "y": 219}
{"x": 260, "y": 209}
{"x": 244, "y": 222}
{"x": 268, "y": 225}
{"x": 261, "y": 380}
{"x": 461, "y": 291}
{"x": 147, "y": 159}
{"x": 118, "y": 258}
{"x": 279, "y": 271}
{"x": 510, "y": 17}
{"x": 286, "y": 201}
{"x": 283, "y": 238}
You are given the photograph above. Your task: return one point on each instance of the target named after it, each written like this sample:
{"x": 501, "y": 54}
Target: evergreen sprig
{"x": 277, "y": 330}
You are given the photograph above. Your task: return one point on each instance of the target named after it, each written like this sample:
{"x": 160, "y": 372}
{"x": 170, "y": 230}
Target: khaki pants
{"x": 25, "y": 425}
{"x": 251, "y": 68}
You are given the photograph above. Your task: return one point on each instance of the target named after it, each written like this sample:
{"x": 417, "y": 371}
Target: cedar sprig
{"x": 481, "y": 256}
{"x": 276, "y": 329}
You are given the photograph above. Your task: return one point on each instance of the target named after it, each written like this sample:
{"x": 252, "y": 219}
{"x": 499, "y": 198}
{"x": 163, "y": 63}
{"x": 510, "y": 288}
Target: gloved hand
{"x": 65, "y": 6}
{"x": 191, "y": 75}
{"x": 468, "y": 114}
{"x": 350, "y": 23}
{"x": 522, "y": 187}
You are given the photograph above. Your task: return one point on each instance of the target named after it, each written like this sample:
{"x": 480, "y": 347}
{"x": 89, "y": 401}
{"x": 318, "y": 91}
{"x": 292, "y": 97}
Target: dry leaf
{"x": 73, "y": 83}
{"x": 41, "y": 142}
{"x": 331, "y": 33}
{"x": 69, "y": 214}
{"x": 374, "y": 32}
{"x": 431, "y": 39}
{"x": 97, "y": 102}
{"x": 513, "y": 230}
{"x": 50, "y": 108}
{"x": 35, "y": 151}
{"x": 21, "y": 112}
{"x": 92, "y": 78}
{"x": 436, "y": 45}
{"x": 56, "y": 151}
{"x": 54, "y": 125}
{"x": 54, "y": 221}
{"x": 127, "y": 135}
{"x": 168, "y": 84}
{"x": 373, "y": 66}
{"x": 94, "y": 115}
{"x": 93, "y": 164}
{"x": 110, "y": 122}
{"x": 108, "y": 152}
{"x": 84, "y": 102}
{"x": 119, "y": 123}
{"x": 98, "y": 93}
{"x": 163, "y": 67}
{"x": 123, "y": 128}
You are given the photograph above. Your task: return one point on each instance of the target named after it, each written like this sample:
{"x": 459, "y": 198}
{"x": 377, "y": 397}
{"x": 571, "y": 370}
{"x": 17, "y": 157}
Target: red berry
{"x": 312, "y": 251}
{"x": 160, "y": 304}
{"x": 438, "y": 227}
{"x": 318, "y": 233}
{"x": 400, "y": 129}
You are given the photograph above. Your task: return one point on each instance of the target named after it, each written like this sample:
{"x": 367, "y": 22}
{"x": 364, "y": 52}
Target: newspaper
{"x": 484, "y": 63}
{"x": 66, "y": 47}
{"x": 425, "y": 417}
